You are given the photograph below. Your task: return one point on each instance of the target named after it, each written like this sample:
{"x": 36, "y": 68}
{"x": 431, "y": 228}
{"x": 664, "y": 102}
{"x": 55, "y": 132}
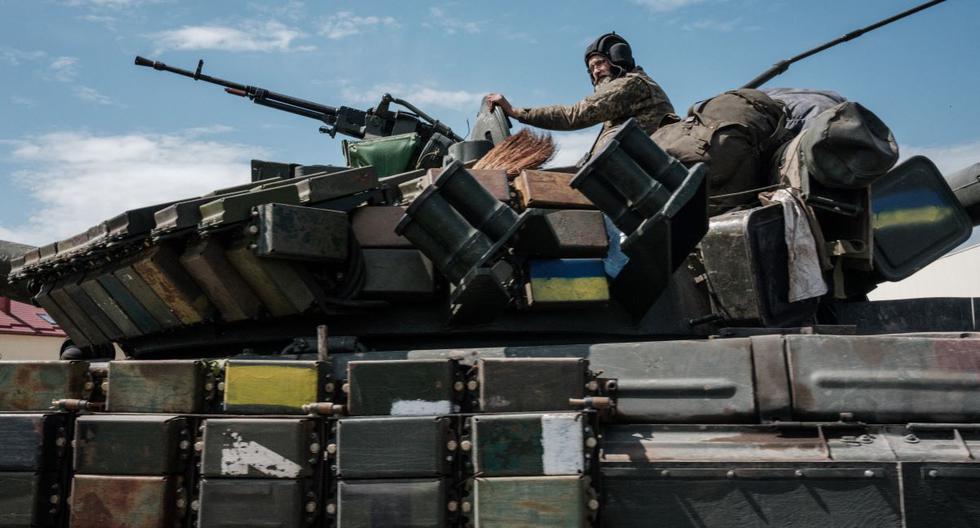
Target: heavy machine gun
{"x": 380, "y": 121}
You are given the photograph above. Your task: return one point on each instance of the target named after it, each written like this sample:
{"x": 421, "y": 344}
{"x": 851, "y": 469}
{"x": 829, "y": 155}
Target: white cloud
{"x": 345, "y": 24}
{"x": 22, "y": 101}
{"x": 62, "y": 69}
{"x": 571, "y": 147}
{"x": 419, "y": 95}
{"x": 16, "y": 57}
{"x": 661, "y": 6}
{"x": 948, "y": 158}
{"x": 250, "y": 36}
{"x": 724, "y": 26}
{"x": 91, "y": 95}
{"x": 450, "y": 25}
{"x": 80, "y": 179}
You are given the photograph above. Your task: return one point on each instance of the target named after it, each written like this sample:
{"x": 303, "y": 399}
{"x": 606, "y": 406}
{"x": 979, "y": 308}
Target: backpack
{"x": 735, "y": 134}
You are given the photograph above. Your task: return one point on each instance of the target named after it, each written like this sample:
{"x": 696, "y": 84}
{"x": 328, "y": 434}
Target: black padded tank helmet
{"x": 613, "y": 47}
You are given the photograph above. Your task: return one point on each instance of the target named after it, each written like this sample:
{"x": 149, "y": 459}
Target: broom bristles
{"x": 523, "y": 150}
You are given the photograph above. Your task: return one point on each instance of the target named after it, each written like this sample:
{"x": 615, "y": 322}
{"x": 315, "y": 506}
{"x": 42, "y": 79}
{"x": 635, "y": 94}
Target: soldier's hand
{"x": 496, "y": 99}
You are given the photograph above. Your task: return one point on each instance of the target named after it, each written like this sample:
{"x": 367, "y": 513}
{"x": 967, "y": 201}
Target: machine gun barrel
{"x": 783, "y": 65}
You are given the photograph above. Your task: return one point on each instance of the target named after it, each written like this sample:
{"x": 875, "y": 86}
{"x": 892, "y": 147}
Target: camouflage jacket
{"x": 613, "y": 103}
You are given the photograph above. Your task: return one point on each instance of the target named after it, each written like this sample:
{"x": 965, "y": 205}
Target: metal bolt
{"x": 199, "y": 446}
{"x": 331, "y": 508}
{"x": 181, "y": 503}
{"x": 89, "y": 386}
{"x": 195, "y": 505}
{"x": 665, "y": 473}
{"x": 933, "y": 473}
{"x": 221, "y": 386}
{"x": 472, "y": 385}
{"x": 54, "y": 499}
{"x": 592, "y": 386}
{"x": 466, "y": 445}
{"x": 869, "y": 474}
{"x": 329, "y": 387}
{"x": 591, "y": 442}
{"x": 593, "y": 504}
{"x": 911, "y": 438}
{"x": 184, "y": 444}
{"x": 452, "y": 445}
{"x": 452, "y": 506}
{"x": 331, "y": 448}
{"x": 60, "y": 441}
{"x": 799, "y": 473}
{"x": 467, "y": 507}
{"x": 311, "y": 507}
{"x": 253, "y": 247}
{"x": 253, "y": 229}
{"x": 459, "y": 386}
{"x": 730, "y": 474}
{"x": 105, "y": 386}
{"x": 346, "y": 388}
{"x": 315, "y": 448}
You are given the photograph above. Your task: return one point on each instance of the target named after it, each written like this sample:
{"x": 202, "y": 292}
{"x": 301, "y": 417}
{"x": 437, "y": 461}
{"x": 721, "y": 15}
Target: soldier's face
{"x": 600, "y": 68}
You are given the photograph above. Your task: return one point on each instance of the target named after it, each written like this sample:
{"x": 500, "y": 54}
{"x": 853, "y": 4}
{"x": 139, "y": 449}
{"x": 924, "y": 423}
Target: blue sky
{"x": 84, "y": 134}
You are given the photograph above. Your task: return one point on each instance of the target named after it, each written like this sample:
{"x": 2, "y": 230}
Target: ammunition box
{"x": 30, "y": 500}
{"x": 280, "y": 285}
{"x": 206, "y": 263}
{"x": 238, "y": 207}
{"x": 160, "y": 268}
{"x": 566, "y": 282}
{"x": 33, "y": 442}
{"x": 260, "y": 448}
{"x": 272, "y": 387}
{"x": 383, "y": 503}
{"x": 374, "y": 227}
{"x": 529, "y": 384}
{"x": 99, "y": 501}
{"x": 528, "y": 444}
{"x": 32, "y": 385}
{"x": 172, "y": 386}
{"x": 401, "y": 388}
{"x": 301, "y": 233}
{"x": 564, "y": 233}
{"x": 392, "y": 447}
{"x": 132, "y": 444}
{"x": 495, "y": 181}
{"x": 531, "y": 501}
{"x": 146, "y": 297}
{"x": 549, "y": 190}
{"x": 226, "y": 503}
{"x": 402, "y": 274}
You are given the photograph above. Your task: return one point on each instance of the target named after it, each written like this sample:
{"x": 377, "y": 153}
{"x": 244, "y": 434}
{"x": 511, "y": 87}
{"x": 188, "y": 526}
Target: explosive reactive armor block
{"x": 398, "y": 447}
{"x": 273, "y": 387}
{"x": 549, "y": 190}
{"x": 150, "y": 386}
{"x": 566, "y": 282}
{"x": 531, "y": 384}
{"x": 301, "y": 233}
{"x": 402, "y": 274}
{"x": 374, "y": 227}
{"x": 33, "y": 442}
{"x": 659, "y": 204}
{"x": 160, "y": 268}
{"x": 101, "y": 501}
{"x": 260, "y": 448}
{"x": 403, "y": 502}
{"x": 530, "y": 501}
{"x": 401, "y": 387}
{"x": 282, "y": 286}
{"x": 226, "y": 503}
{"x": 32, "y": 385}
{"x": 563, "y": 233}
{"x": 207, "y": 264}
{"x": 118, "y": 444}
{"x": 30, "y": 500}
{"x": 528, "y": 444}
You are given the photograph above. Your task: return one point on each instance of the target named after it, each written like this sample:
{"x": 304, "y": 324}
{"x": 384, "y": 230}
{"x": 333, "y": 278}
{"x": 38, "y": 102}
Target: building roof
{"x": 23, "y": 319}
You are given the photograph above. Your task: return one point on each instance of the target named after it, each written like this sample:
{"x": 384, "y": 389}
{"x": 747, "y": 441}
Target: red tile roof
{"x": 24, "y": 319}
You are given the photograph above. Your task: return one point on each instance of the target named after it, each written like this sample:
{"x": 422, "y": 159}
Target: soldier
{"x": 622, "y": 90}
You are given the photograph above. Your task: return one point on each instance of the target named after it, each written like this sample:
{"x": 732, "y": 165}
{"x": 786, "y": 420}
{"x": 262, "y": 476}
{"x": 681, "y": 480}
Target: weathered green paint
{"x": 33, "y": 442}
{"x": 260, "y": 448}
{"x": 526, "y": 384}
{"x": 132, "y": 444}
{"x": 147, "y": 298}
{"x": 408, "y": 388}
{"x": 528, "y": 444}
{"x": 160, "y": 269}
{"x": 108, "y": 306}
{"x": 86, "y": 304}
{"x": 32, "y": 385}
{"x": 19, "y": 499}
{"x": 206, "y": 263}
{"x": 401, "y": 447}
{"x": 129, "y": 304}
{"x": 268, "y": 503}
{"x": 302, "y": 233}
{"x": 386, "y": 503}
{"x": 238, "y": 207}
{"x": 530, "y": 502}
{"x": 173, "y": 386}
{"x": 44, "y": 300}
{"x": 399, "y": 274}
{"x": 280, "y": 285}
{"x": 99, "y": 501}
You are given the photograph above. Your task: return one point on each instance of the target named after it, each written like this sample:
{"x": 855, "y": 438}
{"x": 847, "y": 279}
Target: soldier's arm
{"x": 613, "y": 100}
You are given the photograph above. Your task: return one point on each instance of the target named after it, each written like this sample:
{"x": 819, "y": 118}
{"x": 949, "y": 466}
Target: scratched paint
{"x": 242, "y": 455}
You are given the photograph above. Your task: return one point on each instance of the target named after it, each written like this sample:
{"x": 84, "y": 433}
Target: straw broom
{"x": 523, "y": 150}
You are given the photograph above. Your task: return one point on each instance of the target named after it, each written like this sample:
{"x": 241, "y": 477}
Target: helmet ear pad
{"x": 621, "y": 55}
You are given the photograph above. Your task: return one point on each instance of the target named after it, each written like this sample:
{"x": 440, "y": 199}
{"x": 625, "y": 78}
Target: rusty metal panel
{"x": 680, "y": 381}
{"x": 153, "y": 386}
{"x": 549, "y": 190}
{"x": 206, "y": 263}
{"x": 507, "y": 502}
{"x": 531, "y": 384}
{"x": 402, "y": 274}
{"x": 99, "y": 501}
{"x": 32, "y": 385}
{"x": 129, "y": 304}
{"x": 562, "y": 233}
{"x": 771, "y": 378}
{"x": 302, "y": 233}
{"x": 885, "y": 379}
{"x": 260, "y": 448}
{"x": 108, "y": 306}
{"x": 33, "y": 442}
{"x": 279, "y": 284}
{"x": 238, "y": 207}
{"x": 85, "y": 303}
{"x": 495, "y": 181}
{"x": 401, "y": 387}
{"x": 397, "y": 447}
{"x": 132, "y": 444}
{"x": 321, "y": 187}
{"x": 269, "y": 503}
{"x": 273, "y": 387}
{"x": 374, "y": 227}
{"x": 528, "y": 444}
{"x": 147, "y": 298}
{"x": 44, "y": 300}
{"x": 160, "y": 268}
{"x": 398, "y": 502}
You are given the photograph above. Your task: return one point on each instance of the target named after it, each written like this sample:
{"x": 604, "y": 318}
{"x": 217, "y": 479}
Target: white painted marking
{"x": 243, "y": 454}
{"x": 562, "y": 440}
{"x": 420, "y": 407}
